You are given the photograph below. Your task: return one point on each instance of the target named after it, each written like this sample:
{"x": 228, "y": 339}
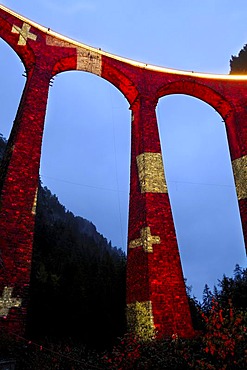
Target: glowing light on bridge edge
{"x": 122, "y": 59}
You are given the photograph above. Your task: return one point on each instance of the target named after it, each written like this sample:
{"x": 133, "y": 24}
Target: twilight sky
{"x": 86, "y": 146}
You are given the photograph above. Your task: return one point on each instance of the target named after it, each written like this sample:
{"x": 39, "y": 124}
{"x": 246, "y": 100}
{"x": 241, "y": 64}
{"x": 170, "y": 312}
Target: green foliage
{"x": 153, "y": 355}
{"x": 3, "y": 143}
{"x": 196, "y": 310}
{"x": 234, "y": 289}
{"x": 224, "y": 345}
{"x": 238, "y": 63}
{"x": 207, "y": 298}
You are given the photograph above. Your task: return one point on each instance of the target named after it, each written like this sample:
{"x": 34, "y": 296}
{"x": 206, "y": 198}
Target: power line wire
{"x": 123, "y": 191}
{"x": 80, "y": 184}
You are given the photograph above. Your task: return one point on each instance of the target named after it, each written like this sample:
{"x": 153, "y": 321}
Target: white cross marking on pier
{"x": 6, "y": 302}
{"x": 24, "y": 33}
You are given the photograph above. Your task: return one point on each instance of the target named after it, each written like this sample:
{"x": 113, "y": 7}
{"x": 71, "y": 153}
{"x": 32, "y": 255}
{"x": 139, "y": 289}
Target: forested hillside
{"x": 78, "y": 278}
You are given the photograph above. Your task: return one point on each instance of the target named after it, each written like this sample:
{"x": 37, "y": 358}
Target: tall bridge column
{"x": 156, "y": 294}
{"x": 239, "y": 166}
{"x": 236, "y": 127}
{"x": 18, "y": 193}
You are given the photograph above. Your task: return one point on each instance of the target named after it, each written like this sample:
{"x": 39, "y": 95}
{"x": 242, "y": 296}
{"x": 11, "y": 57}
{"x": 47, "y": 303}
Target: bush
{"x": 223, "y": 346}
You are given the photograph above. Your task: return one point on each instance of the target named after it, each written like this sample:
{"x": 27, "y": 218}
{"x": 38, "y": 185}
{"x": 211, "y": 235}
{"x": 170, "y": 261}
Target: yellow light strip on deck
{"x": 126, "y": 60}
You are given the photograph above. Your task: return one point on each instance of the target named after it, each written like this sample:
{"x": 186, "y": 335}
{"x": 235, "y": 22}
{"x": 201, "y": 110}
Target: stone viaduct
{"x": 156, "y": 296}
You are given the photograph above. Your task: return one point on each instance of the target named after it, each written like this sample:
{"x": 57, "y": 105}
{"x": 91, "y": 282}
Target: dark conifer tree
{"x": 207, "y": 298}
{"x": 238, "y": 64}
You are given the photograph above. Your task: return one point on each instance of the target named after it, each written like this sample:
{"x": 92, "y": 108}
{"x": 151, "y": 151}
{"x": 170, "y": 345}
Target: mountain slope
{"x": 78, "y": 279}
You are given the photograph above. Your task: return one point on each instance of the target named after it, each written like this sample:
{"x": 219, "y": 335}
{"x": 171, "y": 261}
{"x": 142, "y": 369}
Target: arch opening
{"x": 201, "y": 190}
{"x": 85, "y": 150}
{"x": 12, "y": 84}
{"x": 85, "y": 162}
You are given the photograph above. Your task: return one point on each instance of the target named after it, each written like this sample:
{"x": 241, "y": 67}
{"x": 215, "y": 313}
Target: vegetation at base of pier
{"x": 220, "y": 344}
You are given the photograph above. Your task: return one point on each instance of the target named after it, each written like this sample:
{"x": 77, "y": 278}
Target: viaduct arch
{"x": 156, "y": 297}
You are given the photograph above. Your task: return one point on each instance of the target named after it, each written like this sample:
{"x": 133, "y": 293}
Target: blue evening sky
{"x": 86, "y": 146}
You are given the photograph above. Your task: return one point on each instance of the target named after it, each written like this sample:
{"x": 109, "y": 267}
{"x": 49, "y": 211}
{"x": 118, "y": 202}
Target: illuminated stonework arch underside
{"x": 201, "y": 91}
